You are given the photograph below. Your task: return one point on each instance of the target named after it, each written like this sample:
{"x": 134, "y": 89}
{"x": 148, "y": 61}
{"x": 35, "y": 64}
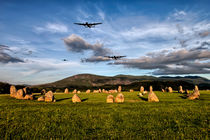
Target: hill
{"x": 85, "y": 81}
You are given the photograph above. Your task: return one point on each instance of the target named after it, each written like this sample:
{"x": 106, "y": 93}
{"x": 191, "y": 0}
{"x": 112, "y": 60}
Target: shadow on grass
{"x": 143, "y": 98}
{"x": 183, "y": 97}
{"x": 84, "y": 99}
{"x": 62, "y": 99}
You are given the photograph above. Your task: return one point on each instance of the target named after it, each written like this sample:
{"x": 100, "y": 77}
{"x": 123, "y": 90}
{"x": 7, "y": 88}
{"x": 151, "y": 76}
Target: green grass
{"x": 172, "y": 118}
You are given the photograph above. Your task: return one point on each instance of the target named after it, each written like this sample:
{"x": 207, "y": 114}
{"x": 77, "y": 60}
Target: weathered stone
{"x": 20, "y": 94}
{"x": 66, "y": 91}
{"x": 170, "y": 89}
{"x": 88, "y": 91}
{"x": 75, "y": 91}
{"x": 99, "y": 90}
{"x": 27, "y": 90}
{"x": 195, "y": 94}
{"x": 140, "y": 94}
{"x": 49, "y": 97}
{"x": 41, "y": 99}
{"x": 28, "y": 97}
{"x": 163, "y": 90}
{"x": 13, "y": 91}
{"x": 131, "y": 90}
{"x": 103, "y": 90}
{"x": 95, "y": 91}
{"x": 76, "y": 98}
{"x": 180, "y": 89}
{"x": 43, "y": 91}
{"x": 119, "y": 89}
{"x": 110, "y": 99}
{"x": 119, "y": 98}
{"x": 141, "y": 89}
{"x": 152, "y": 96}
{"x": 78, "y": 92}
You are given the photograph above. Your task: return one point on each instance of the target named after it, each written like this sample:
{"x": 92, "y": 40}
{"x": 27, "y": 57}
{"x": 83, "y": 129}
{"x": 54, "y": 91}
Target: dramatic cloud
{"x": 5, "y": 57}
{"x": 175, "y": 62}
{"x": 75, "y": 43}
{"x": 52, "y": 27}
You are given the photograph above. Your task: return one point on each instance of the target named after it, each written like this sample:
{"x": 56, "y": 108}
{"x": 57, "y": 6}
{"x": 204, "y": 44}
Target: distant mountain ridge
{"x": 91, "y": 80}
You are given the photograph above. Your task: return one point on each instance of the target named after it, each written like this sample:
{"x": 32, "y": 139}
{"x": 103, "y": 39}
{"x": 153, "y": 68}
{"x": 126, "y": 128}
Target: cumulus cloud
{"x": 5, "y": 57}
{"x": 52, "y": 28}
{"x": 77, "y": 44}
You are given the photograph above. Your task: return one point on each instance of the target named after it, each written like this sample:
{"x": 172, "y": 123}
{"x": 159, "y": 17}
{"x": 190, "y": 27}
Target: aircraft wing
{"x": 95, "y": 23}
{"x": 79, "y": 23}
{"x": 121, "y": 56}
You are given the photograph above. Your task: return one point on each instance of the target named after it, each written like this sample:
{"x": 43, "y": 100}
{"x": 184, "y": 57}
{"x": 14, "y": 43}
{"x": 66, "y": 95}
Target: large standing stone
{"x": 119, "y": 98}
{"x": 78, "y": 92}
{"x": 99, "y": 90}
{"x": 20, "y": 94}
{"x": 110, "y": 99}
{"x": 66, "y": 91}
{"x": 163, "y": 90}
{"x": 13, "y": 91}
{"x": 180, "y": 89}
{"x": 76, "y": 99}
{"x": 152, "y": 96}
{"x": 49, "y": 97}
{"x": 195, "y": 94}
{"x": 119, "y": 89}
{"x": 141, "y": 89}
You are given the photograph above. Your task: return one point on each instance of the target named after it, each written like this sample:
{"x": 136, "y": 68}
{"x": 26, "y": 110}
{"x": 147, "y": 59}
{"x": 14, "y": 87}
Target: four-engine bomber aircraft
{"x": 88, "y": 25}
{"x": 115, "y": 57}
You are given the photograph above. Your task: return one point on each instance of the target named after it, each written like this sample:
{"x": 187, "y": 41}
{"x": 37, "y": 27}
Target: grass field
{"x": 174, "y": 117}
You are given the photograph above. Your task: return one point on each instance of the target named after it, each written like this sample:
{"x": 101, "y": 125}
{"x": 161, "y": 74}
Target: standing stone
{"x": 43, "y": 91}
{"x": 152, "y": 96}
{"x": 41, "y": 99}
{"x": 75, "y": 91}
{"x": 119, "y": 98}
{"x": 13, "y": 91}
{"x": 170, "y": 89}
{"x": 195, "y": 94}
{"x": 99, "y": 90}
{"x": 110, "y": 99}
{"x": 141, "y": 89}
{"x": 95, "y": 91}
{"x": 88, "y": 91}
{"x": 66, "y": 91}
{"x": 103, "y": 90}
{"x": 78, "y": 92}
{"x": 28, "y": 97}
{"x": 131, "y": 90}
{"x": 119, "y": 89}
{"x": 180, "y": 89}
{"x": 140, "y": 94}
{"x": 27, "y": 90}
{"x": 20, "y": 94}
{"x": 163, "y": 90}
{"x": 49, "y": 97}
{"x": 76, "y": 99}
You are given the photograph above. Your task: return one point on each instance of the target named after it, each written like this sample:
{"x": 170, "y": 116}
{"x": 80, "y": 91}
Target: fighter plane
{"x": 115, "y": 57}
{"x": 88, "y": 25}
{"x": 65, "y": 60}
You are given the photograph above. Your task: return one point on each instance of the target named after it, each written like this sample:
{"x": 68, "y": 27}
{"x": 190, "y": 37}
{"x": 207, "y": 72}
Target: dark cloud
{"x": 176, "y": 62}
{"x": 75, "y": 43}
{"x": 5, "y": 57}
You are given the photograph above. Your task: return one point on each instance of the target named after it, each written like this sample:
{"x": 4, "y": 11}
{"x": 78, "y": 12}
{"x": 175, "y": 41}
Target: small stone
{"x": 110, "y": 99}
{"x": 119, "y": 98}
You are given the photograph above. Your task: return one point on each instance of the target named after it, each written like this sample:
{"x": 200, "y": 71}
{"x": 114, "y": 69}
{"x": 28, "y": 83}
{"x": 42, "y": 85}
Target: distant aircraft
{"x": 88, "y": 25}
{"x": 65, "y": 60}
{"x": 115, "y": 57}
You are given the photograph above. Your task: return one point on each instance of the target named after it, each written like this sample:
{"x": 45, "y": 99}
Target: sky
{"x": 158, "y": 38}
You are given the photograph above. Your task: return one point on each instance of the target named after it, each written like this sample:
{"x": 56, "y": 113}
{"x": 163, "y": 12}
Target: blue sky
{"x": 158, "y": 37}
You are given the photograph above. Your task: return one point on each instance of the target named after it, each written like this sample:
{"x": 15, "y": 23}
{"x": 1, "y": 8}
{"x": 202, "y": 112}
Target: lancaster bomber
{"x": 115, "y": 57}
{"x": 88, "y": 25}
